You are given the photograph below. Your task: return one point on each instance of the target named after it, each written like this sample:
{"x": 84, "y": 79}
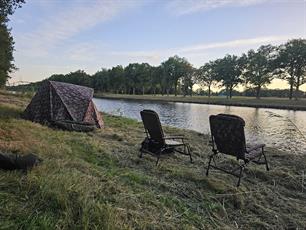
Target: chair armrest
{"x": 175, "y": 137}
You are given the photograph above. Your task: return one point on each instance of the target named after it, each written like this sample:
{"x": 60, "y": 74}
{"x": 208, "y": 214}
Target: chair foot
{"x": 240, "y": 175}
{"x": 189, "y": 152}
{"x": 267, "y": 166}
{"x": 190, "y": 157}
{"x": 157, "y": 161}
{"x": 238, "y": 183}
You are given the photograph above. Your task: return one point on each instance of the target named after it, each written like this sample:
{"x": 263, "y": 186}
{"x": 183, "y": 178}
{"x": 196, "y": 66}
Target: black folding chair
{"x": 156, "y": 143}
{"x": 227, "y": 133}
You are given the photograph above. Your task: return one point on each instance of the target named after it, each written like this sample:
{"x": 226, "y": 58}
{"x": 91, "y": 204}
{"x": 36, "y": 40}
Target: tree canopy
{"x": 7, "y": 7}
{"x": 258, "y": 68}
{"x": 206, "y": 75}
{"x": 290, "y": 64}
{"x": 228, "y": 72}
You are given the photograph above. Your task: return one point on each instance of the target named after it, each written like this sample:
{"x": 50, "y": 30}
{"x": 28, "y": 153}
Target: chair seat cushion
{"x": 253, "y": 151}
{"x": 173, "y": 143}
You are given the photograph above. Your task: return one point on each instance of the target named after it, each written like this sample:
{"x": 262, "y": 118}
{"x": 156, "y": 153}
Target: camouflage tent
{"x": 58, "y": 102}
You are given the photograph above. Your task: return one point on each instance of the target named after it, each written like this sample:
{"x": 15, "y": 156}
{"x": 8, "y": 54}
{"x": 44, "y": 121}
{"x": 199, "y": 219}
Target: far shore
{"x": 267, "y": 102}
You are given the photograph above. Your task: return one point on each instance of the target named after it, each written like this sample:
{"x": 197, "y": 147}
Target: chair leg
{"x": 210, "y": 158}
{"x": 158, "y": 156}
{"x": 140, "y": 155}
{"x": 240, "y": 175}
{"x": 267, "y": 166}
{"x": 189, "y": 153}
{"x": 157, "y": 160}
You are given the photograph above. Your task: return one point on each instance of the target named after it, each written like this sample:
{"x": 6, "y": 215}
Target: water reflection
{"x": 284, "y": 129}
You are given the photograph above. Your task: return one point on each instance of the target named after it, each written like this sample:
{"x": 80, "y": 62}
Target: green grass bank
{"x": 96, "y": 181}
{"x": 268, "y": 102}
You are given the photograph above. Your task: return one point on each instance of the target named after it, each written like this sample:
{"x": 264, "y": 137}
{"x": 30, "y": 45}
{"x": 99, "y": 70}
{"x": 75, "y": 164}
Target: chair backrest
{"x": 153, "y": 126}
{"x": 227, "y": 133}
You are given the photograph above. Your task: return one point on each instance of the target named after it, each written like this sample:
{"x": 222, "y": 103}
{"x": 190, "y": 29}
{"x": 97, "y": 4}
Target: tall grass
{"x": 97, "y": 181}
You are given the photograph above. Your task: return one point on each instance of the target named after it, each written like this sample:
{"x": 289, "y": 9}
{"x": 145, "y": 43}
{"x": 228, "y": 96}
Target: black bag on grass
{"x": 15, "y": 161}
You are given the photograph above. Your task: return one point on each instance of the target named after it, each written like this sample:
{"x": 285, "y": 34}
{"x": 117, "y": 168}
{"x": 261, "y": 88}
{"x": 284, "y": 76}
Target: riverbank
{"x": 273, "y": 103}
{"x": 96, "y": 180}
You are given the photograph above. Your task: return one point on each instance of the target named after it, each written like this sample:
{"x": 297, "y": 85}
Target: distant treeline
{"x": 254, "y": 70}
{"x": 283, "y": 93}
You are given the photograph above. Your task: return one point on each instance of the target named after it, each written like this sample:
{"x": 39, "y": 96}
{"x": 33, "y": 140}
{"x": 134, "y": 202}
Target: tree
{"x": 206, "y": 75}
{"x": 116, "y": 79}
{"x": 7, "y": 7}
{"x": 174, "y": 69}
{"x": 187, "y": 81}
{"x": 258, "y": 69}
{"x": 228, "y": 71}
{"x": 143, "y": 73}
{"x": 101, "y": 80}
{"x": 156, "y": 79}
{"x": 131, "y": 75}
{"x": 6, "y": 53}
{"x": 290, "y": 64}
{"x": 79, "y": 77}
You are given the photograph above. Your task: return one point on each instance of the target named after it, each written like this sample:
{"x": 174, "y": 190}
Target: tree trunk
{"x": 258, "y": 88}
{"x": 208, "y": 91}
{"x": 143, "y": 90}
{"x": 291, "y": 91}
{"x": 175, "y": 88}
{"x": 133, "y": 91}
{"x": 167, "y": 92}
{"x": 230, "y": 92}
{"x": 297, "y": 87}
{"x": 226, "y": 92}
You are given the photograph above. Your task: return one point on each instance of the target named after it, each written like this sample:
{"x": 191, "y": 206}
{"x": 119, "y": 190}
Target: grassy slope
{"x": 269, "y": 102}
{"x": 97, "y": 181}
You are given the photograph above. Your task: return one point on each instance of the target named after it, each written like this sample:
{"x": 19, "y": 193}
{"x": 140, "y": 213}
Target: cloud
{"x": 202, "y": 49}
{"x": 183, "y": 7}
{"x": 70, "y": 21}
{"x": 233, "y": 43}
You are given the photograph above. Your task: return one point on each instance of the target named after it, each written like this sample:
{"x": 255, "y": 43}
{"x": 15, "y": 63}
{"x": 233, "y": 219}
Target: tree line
{"x": 254, "y": 69}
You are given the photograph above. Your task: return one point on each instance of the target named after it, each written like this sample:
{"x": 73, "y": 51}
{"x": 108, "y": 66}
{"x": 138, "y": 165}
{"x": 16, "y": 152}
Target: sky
{"x": 61, "y": 36}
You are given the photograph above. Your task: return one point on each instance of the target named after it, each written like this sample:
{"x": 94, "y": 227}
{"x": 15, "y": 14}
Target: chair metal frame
{"x": 242, "y": 161}
{"x": 165, "y": 149}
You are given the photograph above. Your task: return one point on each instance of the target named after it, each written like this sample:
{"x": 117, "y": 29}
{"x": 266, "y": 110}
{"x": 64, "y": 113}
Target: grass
{"x": 97, "y": 181}
{"x": 267, "y": 102}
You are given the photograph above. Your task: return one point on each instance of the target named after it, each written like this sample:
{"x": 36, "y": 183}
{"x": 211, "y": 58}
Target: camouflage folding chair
{"x": 156, "y": 143}
{"x": 227, "y": 133}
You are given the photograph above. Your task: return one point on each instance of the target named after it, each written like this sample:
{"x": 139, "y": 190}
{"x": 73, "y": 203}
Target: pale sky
{"x": 60, "y": 36}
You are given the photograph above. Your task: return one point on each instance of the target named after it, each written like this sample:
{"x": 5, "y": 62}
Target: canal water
{"x": 282, "y": 129}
